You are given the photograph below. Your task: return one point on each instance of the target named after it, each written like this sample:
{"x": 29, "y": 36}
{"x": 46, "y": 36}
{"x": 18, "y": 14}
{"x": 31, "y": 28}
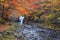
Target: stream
{"x": 33, "y": 32}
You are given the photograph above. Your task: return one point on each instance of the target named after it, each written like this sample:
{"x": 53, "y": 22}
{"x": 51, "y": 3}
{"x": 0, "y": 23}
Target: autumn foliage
{"x": 43, "y": 11}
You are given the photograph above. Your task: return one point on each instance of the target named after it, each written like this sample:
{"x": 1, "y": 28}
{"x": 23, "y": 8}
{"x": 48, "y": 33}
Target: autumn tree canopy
{"x": 47, "y": 11}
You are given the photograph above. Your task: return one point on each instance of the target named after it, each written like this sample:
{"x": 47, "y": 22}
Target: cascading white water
{"x": 21, "y": 18}
{"x": 29, "y": 33}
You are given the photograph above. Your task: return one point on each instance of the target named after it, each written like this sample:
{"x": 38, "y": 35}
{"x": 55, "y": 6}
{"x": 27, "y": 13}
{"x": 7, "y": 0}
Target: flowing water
{"x": 28, "y": 32}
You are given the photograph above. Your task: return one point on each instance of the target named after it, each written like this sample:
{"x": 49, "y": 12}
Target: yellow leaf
{"x": 2, "y": 0}
{"x": 50, "y": 16}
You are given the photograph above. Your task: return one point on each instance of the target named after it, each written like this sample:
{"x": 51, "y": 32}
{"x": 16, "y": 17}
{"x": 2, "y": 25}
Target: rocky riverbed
{"x": 31, "y": 32}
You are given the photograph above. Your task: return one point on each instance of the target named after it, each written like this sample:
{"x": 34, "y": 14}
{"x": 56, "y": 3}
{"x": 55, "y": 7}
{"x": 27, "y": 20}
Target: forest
{"x": 44, "y": 13}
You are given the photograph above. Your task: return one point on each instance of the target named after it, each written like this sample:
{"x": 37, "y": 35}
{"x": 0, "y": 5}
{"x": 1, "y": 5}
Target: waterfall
{"x": 21, "y": 19}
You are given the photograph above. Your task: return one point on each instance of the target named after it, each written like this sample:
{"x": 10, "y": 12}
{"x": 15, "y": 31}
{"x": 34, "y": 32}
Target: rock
{"x": 27, "y": 32}
{"x": 0, "y": 33}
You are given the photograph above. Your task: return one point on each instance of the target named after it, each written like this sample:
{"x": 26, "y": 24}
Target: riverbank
{"x": 29, "y": 32}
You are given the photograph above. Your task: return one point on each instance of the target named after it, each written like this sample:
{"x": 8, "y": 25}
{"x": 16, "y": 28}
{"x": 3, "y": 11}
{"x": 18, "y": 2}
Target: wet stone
{"x": 27, "y": 32}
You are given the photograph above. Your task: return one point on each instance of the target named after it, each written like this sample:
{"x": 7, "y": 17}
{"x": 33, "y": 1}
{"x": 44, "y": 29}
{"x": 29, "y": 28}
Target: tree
{"x": 4, "y": 11}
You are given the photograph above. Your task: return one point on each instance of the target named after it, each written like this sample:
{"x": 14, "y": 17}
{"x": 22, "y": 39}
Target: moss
{"x": 9, "y": 38}
{"x": 1, "y": 38}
